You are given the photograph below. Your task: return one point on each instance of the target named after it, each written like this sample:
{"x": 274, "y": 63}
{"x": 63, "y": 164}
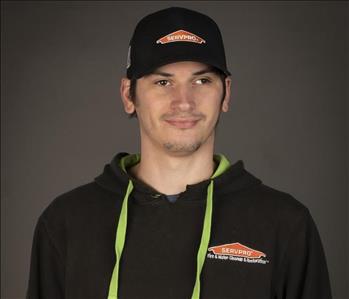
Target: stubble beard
{"x": 188, "y": 148}
{"x": 182, "y": 148}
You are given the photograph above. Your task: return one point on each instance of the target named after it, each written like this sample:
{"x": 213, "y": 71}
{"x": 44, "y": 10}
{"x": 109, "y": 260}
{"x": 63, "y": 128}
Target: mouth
{"x": 183, "y": 123}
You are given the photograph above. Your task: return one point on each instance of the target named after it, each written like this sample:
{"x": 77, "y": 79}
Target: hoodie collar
{"x": 227, "y": 178}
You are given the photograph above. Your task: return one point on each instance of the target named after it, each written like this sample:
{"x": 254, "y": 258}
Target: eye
{"x": 203, "y": 81}
{"x": 162, "y": 82}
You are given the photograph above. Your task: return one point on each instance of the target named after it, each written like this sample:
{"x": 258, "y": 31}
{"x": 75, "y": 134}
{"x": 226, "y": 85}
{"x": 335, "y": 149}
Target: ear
{"x": 225, "y": 104}
{"x": 129, "y": 105}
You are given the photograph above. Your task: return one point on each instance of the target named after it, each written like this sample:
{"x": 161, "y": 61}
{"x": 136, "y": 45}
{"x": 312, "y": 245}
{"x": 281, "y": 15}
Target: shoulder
{"x": 269, "y": 207}
{"x": 75, "y": 203}
{"x": 69, "y": 198}
{"x": 280, "y": 210}
{"x": 278, "y": 200}
{"x": 265, "y": 198}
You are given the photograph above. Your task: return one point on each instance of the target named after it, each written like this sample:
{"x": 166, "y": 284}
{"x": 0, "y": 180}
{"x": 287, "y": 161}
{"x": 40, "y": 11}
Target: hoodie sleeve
{"x": 46, "y": 278}
{"x": 303, "y": 273}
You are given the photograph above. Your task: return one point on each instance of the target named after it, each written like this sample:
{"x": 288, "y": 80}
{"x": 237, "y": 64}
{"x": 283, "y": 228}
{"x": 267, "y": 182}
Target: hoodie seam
{"x": 283, "y": 257}
{"x": 52, "y": 243}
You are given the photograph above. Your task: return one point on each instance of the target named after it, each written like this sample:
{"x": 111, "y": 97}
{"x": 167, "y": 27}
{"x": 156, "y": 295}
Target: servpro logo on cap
{"x": 180, "y": 36}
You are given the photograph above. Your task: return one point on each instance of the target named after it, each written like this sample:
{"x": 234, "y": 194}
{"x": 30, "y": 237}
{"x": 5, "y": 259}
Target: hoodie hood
{"x": 231, "y": 179}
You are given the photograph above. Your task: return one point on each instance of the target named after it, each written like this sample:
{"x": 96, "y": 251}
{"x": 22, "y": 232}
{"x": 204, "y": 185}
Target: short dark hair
{"x": 133, "y": 86}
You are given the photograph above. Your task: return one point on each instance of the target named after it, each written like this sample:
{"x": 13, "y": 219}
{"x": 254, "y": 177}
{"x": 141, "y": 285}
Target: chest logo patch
{"x": 237, "y": 252}
{"x": 180, "y": 36}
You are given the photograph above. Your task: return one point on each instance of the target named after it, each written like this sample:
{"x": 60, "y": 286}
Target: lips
{"x": 182, "y": 123}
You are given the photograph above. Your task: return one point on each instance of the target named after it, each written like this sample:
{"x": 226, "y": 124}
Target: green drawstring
{"x": 205, "y": 239}
{"x": 206, "y": 232}
{"x": 119, "y": 243}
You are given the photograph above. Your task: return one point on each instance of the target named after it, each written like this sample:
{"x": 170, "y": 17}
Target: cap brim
{"x": 169, "y": 60}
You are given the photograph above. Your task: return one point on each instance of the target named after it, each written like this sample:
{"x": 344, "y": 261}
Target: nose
{"x": 183, "y": 99}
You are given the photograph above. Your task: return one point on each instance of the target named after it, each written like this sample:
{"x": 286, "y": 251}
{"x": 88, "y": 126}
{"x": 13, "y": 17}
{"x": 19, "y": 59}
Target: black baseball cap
{"x": 171, "y": 35}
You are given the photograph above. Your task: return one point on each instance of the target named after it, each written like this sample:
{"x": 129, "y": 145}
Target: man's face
{"x": 177, "y": 106}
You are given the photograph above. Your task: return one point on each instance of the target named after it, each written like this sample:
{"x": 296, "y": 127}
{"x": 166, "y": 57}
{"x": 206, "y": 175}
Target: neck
{"x": 170, "y": 174}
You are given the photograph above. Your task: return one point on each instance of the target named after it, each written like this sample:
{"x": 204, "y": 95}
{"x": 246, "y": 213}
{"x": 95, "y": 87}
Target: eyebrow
{"x": 204, "y": 71}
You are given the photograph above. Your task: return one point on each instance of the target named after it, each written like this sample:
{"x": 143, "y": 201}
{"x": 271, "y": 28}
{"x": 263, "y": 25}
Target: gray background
{"x": 62, "y": 118}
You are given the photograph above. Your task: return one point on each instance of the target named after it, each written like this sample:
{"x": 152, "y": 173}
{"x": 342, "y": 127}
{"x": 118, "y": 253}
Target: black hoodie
{"x": 262, "y": 243}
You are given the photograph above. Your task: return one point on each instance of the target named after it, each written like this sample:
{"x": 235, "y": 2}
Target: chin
{"x": 182, "y": 148}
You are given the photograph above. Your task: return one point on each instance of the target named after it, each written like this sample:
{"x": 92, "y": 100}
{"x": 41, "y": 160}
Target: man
{"x": 177, "y": 220}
